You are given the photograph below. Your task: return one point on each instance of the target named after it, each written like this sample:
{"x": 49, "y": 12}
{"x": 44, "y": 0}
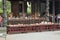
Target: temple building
{"x": 38, "y": 7}
{"x": 33, "y": 16}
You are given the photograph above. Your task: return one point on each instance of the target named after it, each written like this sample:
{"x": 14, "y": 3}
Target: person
{"x": 47, "y": 17}
{"x": 50, "y": 17}
{"x": 0, "y": 20}
{"x": 58, "y": 18}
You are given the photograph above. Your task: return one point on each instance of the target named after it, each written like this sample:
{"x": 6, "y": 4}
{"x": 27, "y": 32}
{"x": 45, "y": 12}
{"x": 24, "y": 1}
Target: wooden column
{"x": 36, "y": 8}
{"x": 53, "y": 11}
{"x": 57, "y": 9}
{"x": 25, "y": 6}
{"x": 33, "y": 7}
{"x": 39, "y": 6}
{"x": 15, "y": 8}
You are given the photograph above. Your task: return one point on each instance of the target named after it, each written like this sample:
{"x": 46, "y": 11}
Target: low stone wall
{"x": 34, "y": 28}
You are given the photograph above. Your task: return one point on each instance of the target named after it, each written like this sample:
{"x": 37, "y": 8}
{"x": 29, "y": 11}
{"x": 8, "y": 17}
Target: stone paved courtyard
{"x": 53, "y": 35}
{"x": 49, "y": 35}
{"x": 2, "y": 38}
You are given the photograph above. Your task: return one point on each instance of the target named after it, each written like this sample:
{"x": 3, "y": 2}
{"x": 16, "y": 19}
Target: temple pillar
{"x": 25, "y": 6}
{"x": 47, "y": 9}
{"x": 36, "y": 8}
{"x": 33, "y": 7}
{"x": 39, "y": 6}
{"x": 53, "y": 19}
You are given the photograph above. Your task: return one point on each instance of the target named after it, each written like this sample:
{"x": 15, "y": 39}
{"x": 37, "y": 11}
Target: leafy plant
{"x": 8, "y": 7}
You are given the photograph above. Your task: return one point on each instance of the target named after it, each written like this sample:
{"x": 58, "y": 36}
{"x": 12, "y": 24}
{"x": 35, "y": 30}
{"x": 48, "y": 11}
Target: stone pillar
{"x": 4, "y": 24}
{"x": 47, "y": 10}
{"x": 15, "y": 8}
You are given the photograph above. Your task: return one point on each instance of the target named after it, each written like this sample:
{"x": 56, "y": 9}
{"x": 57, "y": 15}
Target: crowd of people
{"x": 44, "y": 18}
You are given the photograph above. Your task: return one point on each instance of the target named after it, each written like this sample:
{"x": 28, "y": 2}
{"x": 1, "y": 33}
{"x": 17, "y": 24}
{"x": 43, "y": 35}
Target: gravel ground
{"x": 50, "y": 35}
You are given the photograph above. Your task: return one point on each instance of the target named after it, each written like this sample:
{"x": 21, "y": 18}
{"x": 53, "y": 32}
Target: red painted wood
{"x": 34, "y": 28}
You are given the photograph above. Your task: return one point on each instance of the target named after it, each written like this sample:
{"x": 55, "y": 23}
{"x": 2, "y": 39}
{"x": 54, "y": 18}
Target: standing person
{"x": 50, "y": 17}
{"x": 58, "y": 18}
{"x": 0, "y": 20}
{"x": 45, "y": 15}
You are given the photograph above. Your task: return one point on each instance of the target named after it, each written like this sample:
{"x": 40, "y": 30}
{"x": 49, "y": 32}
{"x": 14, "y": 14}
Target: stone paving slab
{"x": 2, "y": 38}
{"x": 49, "y": 35}
{"x": 2, "y": 29}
